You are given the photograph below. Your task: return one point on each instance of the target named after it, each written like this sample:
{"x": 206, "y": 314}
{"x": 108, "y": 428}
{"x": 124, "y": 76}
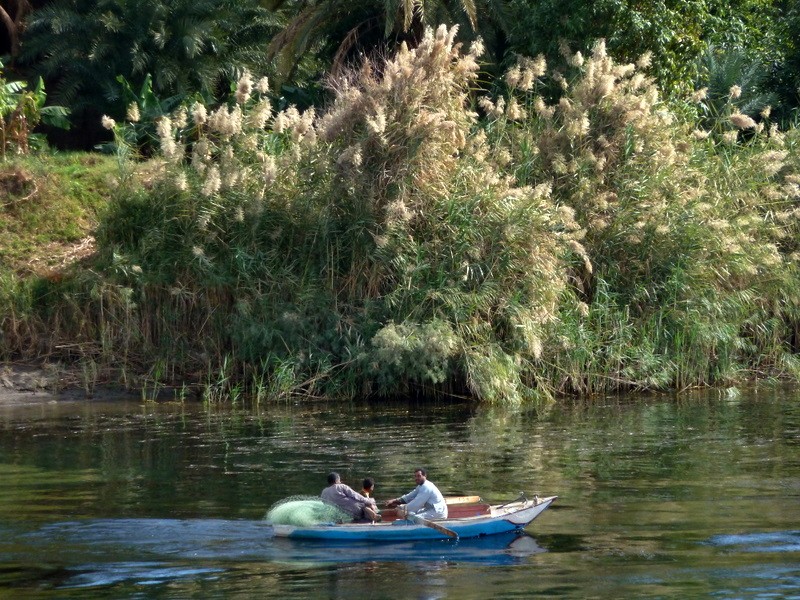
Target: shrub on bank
{"x": 379, "y": 229}
{"x": 688, "y": 232}
{"x": 399, "y": 242}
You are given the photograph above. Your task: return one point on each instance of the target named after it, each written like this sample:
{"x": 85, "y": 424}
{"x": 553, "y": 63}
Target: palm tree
{"x": 80, "y": 47}
{"x": 722, "y": 69}
{"x": 342, "y": 29}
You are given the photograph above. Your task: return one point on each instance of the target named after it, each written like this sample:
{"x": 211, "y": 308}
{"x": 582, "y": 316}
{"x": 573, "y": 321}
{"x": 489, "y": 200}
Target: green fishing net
{"x": 302, "y": 511}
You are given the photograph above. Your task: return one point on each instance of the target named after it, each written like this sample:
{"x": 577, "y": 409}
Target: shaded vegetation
{"x": 197, "y": 49}
{"x": 189, "y": 47}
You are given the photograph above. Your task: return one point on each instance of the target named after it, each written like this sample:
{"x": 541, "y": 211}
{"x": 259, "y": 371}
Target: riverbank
{"x": 24, "y": 384}
{"x": 601, "y": 244}
{"x": 51, "y": 205}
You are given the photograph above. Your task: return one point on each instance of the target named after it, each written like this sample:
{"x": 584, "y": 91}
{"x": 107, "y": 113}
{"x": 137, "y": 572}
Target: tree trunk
{"x": 13, "y": 21}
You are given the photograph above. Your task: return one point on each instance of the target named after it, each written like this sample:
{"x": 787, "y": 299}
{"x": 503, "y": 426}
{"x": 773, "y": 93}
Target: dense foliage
{"x": 197, "y": 48}
{"x": 786, "y": 67}
{"x": 189, "y": 47}
{"x": 594, "y": 196}
{"x": 399, "y": 242}
{"x": 21, "y": 110}
{"x": 674, "y": 32}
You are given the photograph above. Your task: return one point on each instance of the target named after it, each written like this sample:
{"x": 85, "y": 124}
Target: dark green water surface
{"x": 696, "y": 496}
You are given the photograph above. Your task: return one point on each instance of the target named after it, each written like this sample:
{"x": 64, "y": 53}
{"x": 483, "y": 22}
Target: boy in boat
{"x": 367, "y": 487}
{"x": 424, "y": 501}
{"x": 361, "y": 508}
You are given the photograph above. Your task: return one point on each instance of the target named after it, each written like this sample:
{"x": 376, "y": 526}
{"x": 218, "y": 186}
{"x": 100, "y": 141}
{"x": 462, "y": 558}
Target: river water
{"x": 690, "y": 496}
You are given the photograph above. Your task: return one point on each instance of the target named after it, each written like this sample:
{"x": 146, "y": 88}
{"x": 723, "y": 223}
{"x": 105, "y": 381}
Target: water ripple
{"x": 137, "y": 573}
{"x": 776, "y": 541}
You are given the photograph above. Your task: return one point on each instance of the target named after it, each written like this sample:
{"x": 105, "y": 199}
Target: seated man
{"x": 424, "y": 501}
{"x": 361, "y": 508}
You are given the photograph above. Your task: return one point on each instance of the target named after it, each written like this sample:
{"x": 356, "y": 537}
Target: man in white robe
{"x": 424, "y": 501}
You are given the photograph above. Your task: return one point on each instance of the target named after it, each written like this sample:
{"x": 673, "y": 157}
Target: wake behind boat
{"x": 468, "y": 517}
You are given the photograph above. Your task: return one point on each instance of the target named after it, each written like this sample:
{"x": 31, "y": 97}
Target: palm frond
{"x": 351, "y": 41}
{"x": 289, "y": 43}
{"x": 409, "y": 6}
{"x": 472, "y": 12}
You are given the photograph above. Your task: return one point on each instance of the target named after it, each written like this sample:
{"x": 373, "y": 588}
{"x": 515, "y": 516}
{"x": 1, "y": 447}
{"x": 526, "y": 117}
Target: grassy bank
{"x": 570, "y": 234}
{"x": 50, "y": 205}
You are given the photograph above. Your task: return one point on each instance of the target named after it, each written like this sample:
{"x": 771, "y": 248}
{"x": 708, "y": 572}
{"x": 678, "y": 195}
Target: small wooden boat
{"x": 468, "y": 517}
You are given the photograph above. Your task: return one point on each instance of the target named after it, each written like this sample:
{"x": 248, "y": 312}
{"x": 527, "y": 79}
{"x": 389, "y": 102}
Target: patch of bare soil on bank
{"x": 22, "y": 384}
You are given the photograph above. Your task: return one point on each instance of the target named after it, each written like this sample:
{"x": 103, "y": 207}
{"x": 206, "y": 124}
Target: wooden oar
{"x": 432, "y": 525}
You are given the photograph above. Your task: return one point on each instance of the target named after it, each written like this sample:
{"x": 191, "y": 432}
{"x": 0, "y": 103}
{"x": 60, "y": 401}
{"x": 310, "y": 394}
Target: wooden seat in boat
{"x": 457, "y": 508}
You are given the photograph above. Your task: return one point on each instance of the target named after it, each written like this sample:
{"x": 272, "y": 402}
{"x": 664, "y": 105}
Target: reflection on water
{"x": 777, "y": 541}
{"x": 695, "y": 496}
{"x": 147, "y": 538}
{"x": 250, "y": 540}
{"x": 758, "y": 579}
